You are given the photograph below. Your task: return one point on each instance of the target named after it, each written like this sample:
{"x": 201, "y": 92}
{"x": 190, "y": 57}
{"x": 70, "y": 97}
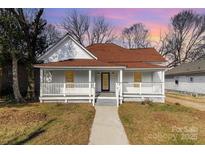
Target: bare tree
{"x": 52, "y": 34}
{"x": 76, "y": 25}
{"x": 185, "y": 40}
{"x": 87, "y": 30}
{"x": 136, "y": 36}
{"x": 102, "y": 31}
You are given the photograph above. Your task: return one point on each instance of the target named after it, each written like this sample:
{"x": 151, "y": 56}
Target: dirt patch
{"x": 163, "y": 117}
{"x": 15, "y": 116}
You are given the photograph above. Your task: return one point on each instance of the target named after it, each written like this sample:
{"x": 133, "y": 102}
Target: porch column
{"x": 163, "y": 87}
{"x": 41, "y": 84}
{"x": 121, "y": 79}
{"x": 89, "y": 82}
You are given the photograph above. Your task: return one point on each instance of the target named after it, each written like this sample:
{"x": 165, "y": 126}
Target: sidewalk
{"x": 107, "y": 128}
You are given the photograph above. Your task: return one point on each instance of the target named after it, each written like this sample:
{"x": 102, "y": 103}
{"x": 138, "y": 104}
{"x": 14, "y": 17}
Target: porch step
{"x": 106, "y": 102}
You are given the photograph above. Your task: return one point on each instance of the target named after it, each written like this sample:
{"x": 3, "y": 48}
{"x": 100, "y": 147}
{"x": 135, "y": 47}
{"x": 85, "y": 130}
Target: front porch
{"x": 107, "y": 84}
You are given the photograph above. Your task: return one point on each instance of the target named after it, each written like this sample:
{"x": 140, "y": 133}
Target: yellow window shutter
{"x": 69, "y": 76}
{"x": 137, "y": 76}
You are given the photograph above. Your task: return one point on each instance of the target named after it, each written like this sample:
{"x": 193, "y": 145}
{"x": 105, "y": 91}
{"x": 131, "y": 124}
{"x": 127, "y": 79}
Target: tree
{"x": 33, "y": 26}
{"x": 136, "y": 36}
{"x": 87, "y": 30}
{"x": 102, "y": 31}
{"x": 76, "y": 25}
{"x": 184, "y": 42}
{"x": 12, "y": 44}
{"x": 52, "y": 34}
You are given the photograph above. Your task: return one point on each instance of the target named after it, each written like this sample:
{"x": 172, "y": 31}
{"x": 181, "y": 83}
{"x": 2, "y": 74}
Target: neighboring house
{"x": 100, "y": 72}
{"x": 189, "y": 77}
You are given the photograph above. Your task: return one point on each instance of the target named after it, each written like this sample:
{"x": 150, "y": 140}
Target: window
{"x": 137, "y": 78}
{"x": 191, "y": 79}
{"x": 69, "y": 76}
{"x": 176, "y": 82}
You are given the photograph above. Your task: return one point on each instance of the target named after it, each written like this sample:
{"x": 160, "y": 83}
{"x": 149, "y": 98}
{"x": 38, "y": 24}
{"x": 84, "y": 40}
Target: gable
{"x": 66, "y": 48}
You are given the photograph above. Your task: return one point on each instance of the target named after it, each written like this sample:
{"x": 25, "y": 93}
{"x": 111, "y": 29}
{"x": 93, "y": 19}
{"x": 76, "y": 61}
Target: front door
{"x": 105, "y": 81}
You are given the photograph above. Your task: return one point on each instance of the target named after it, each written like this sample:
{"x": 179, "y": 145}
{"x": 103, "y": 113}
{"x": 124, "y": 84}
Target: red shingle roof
{"x": 110, "y": 55}
{"x": 140, "y": 65}
{"x": 110, "y": 52}
{"x": 77, "y": 62}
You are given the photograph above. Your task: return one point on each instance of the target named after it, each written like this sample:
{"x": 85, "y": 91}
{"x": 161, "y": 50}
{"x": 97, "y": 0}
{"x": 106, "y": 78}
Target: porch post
{"x": 89, "y": 81}
{"x": 162, "y": 73}
{"x": 121, "y": 79}
{"x": 41, "y": 84}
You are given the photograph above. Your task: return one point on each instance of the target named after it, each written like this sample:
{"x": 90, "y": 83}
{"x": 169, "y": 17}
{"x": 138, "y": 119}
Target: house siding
{"x": 81, "y": 76}
{"x": 185, "y": 84}
{"x": 66, "y": 50}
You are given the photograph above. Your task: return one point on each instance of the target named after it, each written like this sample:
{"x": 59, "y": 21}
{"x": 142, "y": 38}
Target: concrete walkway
{"x": 107, "y": 128}
{"x": 198, "y": 106}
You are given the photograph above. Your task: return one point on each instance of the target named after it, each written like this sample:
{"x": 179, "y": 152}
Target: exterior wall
{"x": 66, "y": 50}
{"x": 185, "y": 84}
{"x": 128, "y": 76}
{"x": 80, "y": 76}
{"x": 113, "y": 80}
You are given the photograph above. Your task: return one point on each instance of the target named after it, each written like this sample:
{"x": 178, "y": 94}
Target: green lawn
{"x": 162, "y": 124}
{"x": 45, "y": 123}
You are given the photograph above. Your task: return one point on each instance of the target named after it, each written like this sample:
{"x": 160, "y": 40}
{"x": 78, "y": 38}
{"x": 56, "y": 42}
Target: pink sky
{"x": 156, "y": 20}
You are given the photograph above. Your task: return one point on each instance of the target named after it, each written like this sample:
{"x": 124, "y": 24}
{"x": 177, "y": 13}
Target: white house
{"x": 188, "y": 78}
{"x": 71, "y": 72}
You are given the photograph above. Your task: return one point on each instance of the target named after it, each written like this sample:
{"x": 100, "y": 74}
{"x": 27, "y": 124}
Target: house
{"x": 187, "y": 77}
{"x": 71, "y": 72}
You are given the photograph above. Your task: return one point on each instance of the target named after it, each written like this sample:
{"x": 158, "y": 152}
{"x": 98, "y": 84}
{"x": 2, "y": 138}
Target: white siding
{"x": 185, "y": 85}
{"x": 157, "y": 76}
{"x": 147, "y": 77}
{"x": 58, "y": 76}
{"x": 67, "y": 50}
{"x": 128, "y": 76}
{"x": 81, "y": 76}
{"x": 113, "y": 80}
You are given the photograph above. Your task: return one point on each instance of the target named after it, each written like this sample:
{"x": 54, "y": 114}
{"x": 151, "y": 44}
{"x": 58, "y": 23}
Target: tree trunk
{"x": 16, "y": 91}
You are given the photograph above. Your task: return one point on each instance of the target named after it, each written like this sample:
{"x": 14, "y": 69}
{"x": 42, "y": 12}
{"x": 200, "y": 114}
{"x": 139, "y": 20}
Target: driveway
{"x": 198, "y": 106}
{"x": 107, "y": 128}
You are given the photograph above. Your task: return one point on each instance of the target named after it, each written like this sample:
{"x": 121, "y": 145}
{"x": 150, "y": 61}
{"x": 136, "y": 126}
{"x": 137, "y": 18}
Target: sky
{"x": 156, "y": 20}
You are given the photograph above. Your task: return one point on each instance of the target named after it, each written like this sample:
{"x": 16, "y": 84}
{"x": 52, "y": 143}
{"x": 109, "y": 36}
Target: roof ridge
{"x": 141, "y": 48}
{"x": 110, "y": 43}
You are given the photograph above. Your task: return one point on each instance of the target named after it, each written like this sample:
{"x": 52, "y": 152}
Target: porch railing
{"x": 138, "y": 89}
{"x": 143, "y": 88}
{"x": 67, "y": 89}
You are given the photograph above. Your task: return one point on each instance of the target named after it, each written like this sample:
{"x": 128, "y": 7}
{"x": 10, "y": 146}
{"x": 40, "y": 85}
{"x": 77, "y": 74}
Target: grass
{"x": 199, "y": 99}
{"x": 162, "y": 124}
{"x": 52, "y": 123}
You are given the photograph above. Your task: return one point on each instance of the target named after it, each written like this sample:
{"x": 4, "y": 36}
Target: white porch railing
{"x": 143, "y": 88}
{"x": 138, "y": 89}
{"x": 68, "y": 89}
